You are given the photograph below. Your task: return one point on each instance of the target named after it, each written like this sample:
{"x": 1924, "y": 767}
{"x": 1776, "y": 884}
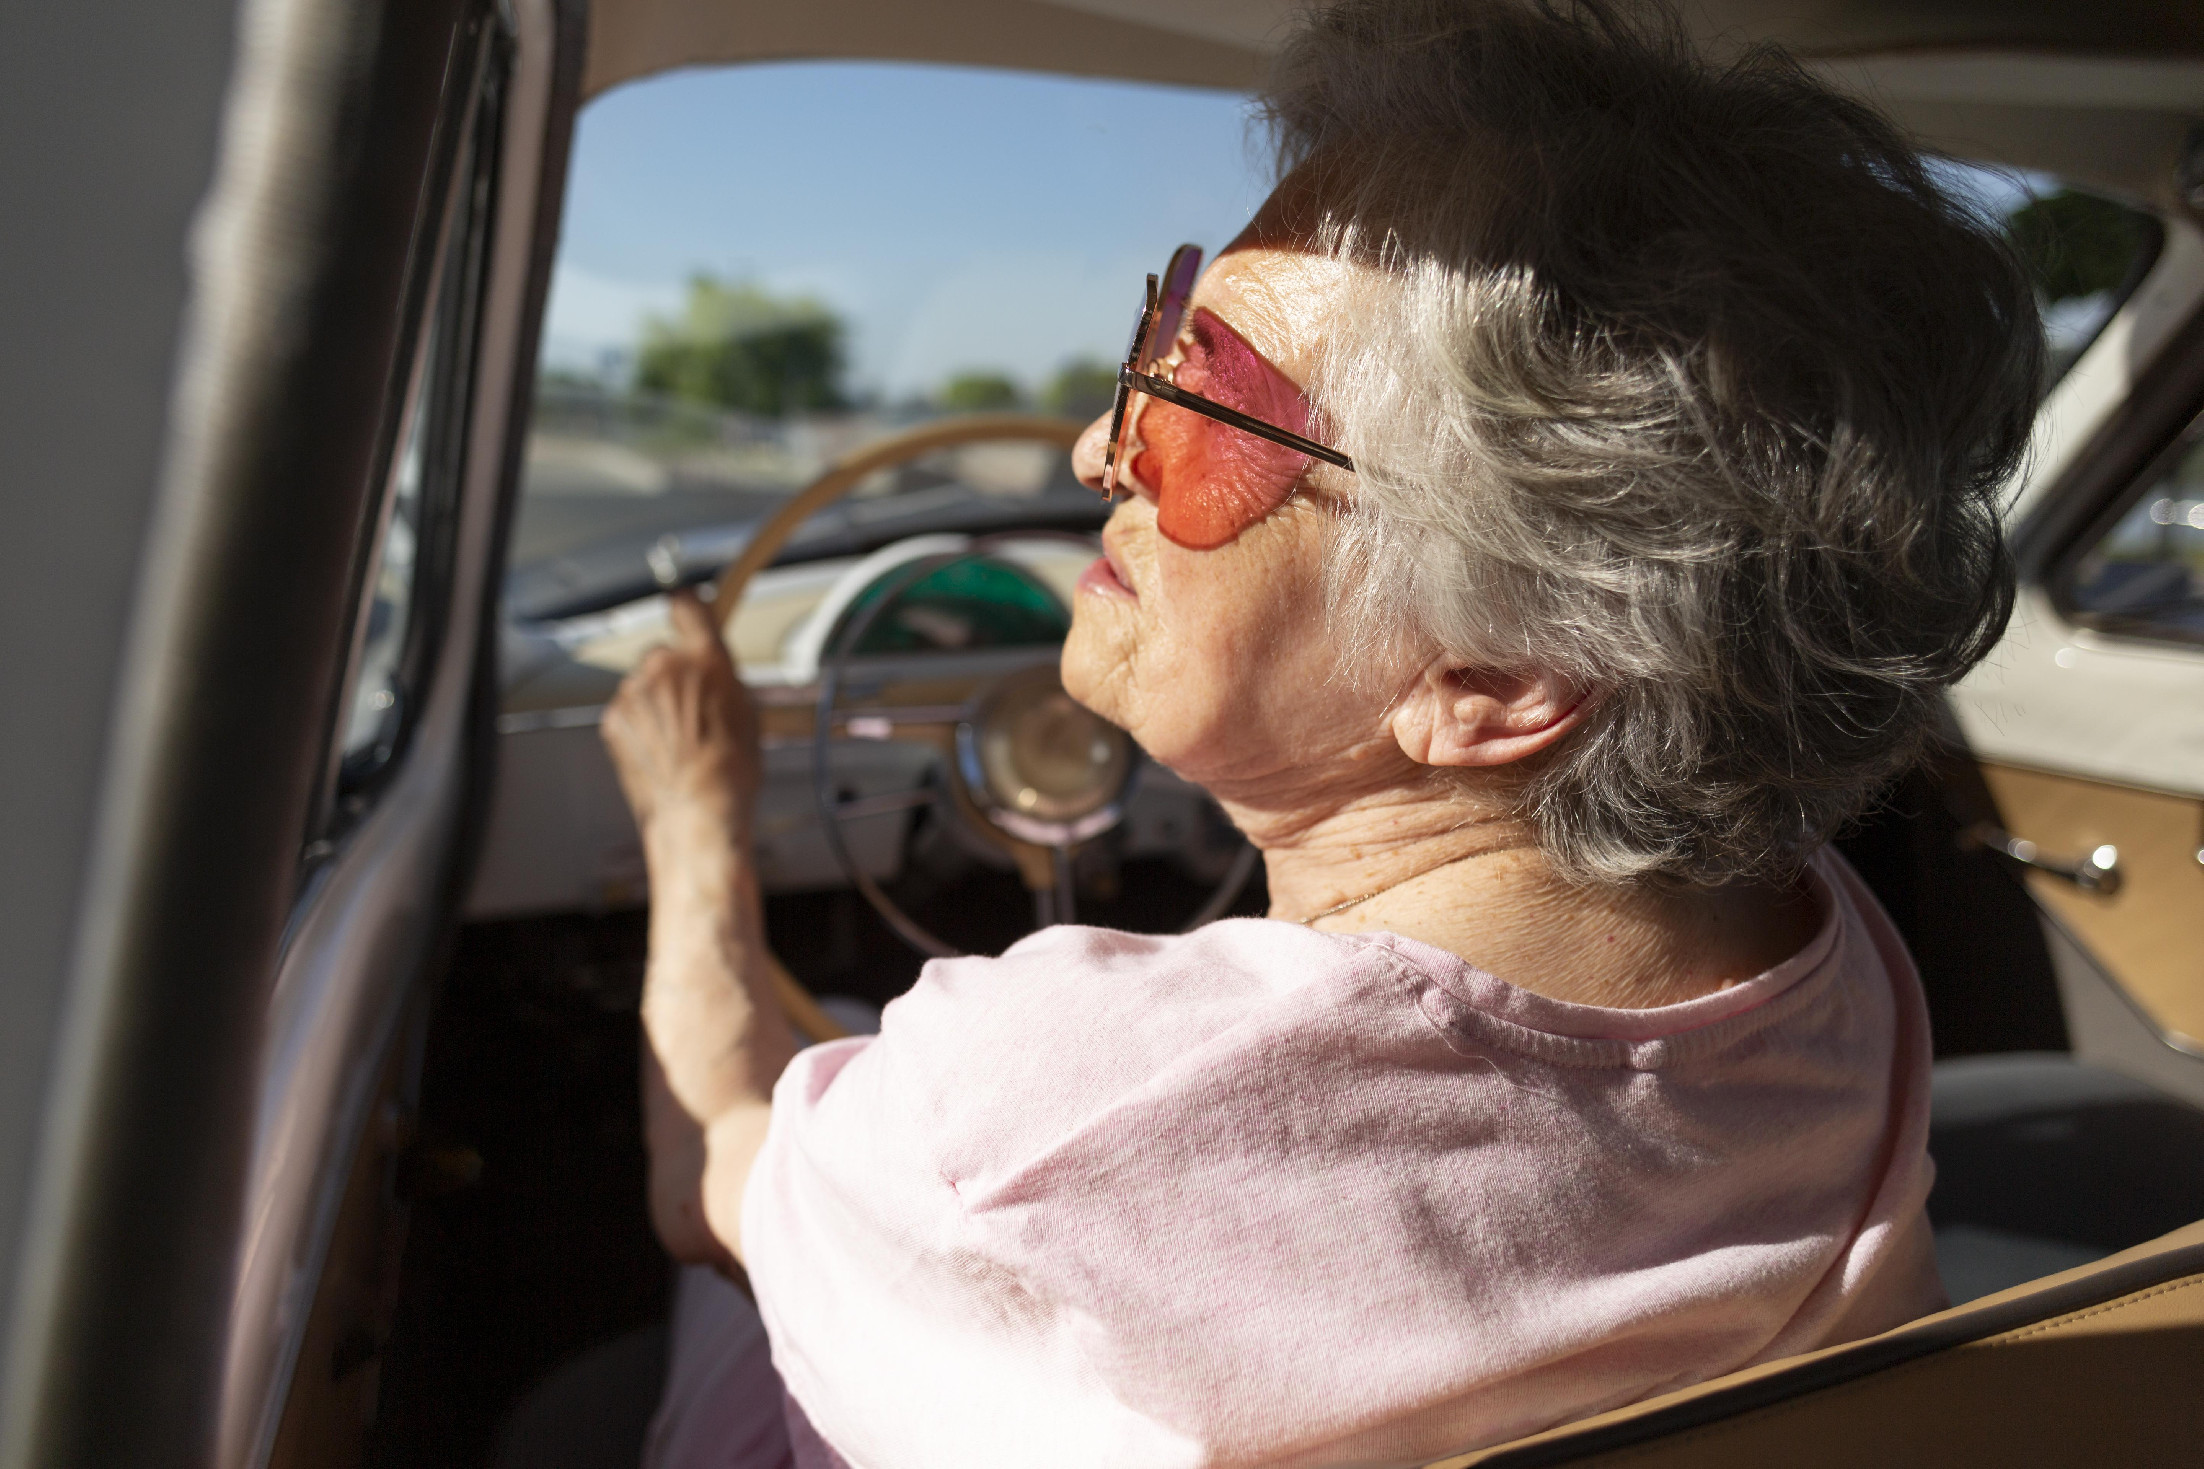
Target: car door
{"x": 252, "y": 696}
{"x": 2088, "y": 721}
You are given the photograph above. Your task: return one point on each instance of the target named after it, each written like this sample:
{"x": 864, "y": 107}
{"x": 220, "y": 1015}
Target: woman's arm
{"x": 684, "y": 739}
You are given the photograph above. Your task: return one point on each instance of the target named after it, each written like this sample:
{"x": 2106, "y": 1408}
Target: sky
{"x": 958, "y": 219}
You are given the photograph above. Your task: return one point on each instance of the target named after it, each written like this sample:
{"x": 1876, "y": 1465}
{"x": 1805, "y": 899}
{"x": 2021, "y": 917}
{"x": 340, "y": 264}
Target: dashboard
{"x": 560, "y": 837}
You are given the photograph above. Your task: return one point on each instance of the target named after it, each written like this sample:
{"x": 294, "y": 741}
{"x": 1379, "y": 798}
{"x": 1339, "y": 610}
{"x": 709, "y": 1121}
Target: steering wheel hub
{"x": 1040, "y": 766}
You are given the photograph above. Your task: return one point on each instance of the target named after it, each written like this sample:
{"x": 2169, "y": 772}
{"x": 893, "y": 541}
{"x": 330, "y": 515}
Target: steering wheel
{"x": 1031, "y": 771}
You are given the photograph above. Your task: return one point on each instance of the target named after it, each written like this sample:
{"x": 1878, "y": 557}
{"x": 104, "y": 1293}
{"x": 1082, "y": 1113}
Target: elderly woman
{"x": 1663, "y": 408}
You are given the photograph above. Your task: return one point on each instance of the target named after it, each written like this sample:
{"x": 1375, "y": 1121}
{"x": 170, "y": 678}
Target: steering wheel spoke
{"x": 887, "y": 803}
{"x": 925, "y": 724}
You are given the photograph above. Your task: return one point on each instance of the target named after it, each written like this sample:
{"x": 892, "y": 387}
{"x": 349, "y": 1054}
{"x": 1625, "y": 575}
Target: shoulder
{"x": 1108, "y": 988}
{"x": 988, "y": 1063}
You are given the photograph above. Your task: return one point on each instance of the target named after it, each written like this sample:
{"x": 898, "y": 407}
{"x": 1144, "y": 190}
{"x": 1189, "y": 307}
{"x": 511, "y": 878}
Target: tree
{"x": 1082, "y": 388}
{"x": 980, "y": 392}
{"x": 734, "y": 346}
{"x": 2077, "y": 244}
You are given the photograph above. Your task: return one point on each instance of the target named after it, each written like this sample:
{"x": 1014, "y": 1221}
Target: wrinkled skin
{"x": 683, "y": 735}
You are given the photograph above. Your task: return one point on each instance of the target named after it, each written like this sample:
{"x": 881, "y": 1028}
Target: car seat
{"x": 2043, "y": 1161}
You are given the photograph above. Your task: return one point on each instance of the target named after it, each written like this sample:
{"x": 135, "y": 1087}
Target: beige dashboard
{"x": 560, "y": 838}
{"x": 574, "y": 666}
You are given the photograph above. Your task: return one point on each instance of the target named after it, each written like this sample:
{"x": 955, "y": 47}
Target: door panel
{"x": 2150, "y": 933}
{"x": 2059, "y": 697}
{"x": 331, "y": 1398}
{"x": 2089, "y": 717}
{"x": 405, "y": 778}
{"x": 285, "y": 379}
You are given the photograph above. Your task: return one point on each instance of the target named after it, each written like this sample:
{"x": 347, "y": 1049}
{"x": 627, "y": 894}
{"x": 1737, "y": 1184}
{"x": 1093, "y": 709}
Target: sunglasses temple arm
{"x": 1156, "y": 387}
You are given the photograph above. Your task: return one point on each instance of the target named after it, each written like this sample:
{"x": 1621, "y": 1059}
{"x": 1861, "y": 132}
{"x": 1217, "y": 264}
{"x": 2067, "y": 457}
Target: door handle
{"x": 2098, "y": 873}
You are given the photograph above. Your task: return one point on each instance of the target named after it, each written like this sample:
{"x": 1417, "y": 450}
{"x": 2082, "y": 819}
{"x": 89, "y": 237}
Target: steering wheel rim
{"x": 846, "y": 474}
{"x": 1043, "y": 856}
{"x": 832, "y": 485}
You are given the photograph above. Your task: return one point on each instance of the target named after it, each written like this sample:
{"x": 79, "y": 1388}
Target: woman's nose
{"x": 1087, "y": 453}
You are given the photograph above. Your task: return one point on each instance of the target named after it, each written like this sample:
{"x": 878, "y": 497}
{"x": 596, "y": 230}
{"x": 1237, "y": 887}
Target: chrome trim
{"x": 1041, "y": 832}
{"x": 1034, "y": 829}
{"x": 875, "y": 718}
{"x": 2098, "y": 872}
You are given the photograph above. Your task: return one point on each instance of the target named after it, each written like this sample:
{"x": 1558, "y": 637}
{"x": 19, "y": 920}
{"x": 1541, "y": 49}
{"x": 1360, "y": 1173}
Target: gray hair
{"x": 1683, "y": 381}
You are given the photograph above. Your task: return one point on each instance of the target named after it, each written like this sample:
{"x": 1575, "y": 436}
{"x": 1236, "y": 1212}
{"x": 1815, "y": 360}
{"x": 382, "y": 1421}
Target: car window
{"x": 2087, "y": 252}
{"x": 407, "y": 571}
{"x": 2144, "y": 576}
{"x": 763, "y": 267}
{"x": 374, "y": 714}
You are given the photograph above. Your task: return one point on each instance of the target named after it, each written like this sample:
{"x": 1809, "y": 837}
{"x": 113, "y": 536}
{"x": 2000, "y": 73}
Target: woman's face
{"x": 1222, "y": 661}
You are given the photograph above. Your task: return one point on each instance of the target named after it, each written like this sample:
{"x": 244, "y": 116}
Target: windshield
{"x": 764, "y": 267}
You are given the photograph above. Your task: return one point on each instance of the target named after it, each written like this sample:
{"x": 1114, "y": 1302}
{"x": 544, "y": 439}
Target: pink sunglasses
{"x": 1155, "y": 336}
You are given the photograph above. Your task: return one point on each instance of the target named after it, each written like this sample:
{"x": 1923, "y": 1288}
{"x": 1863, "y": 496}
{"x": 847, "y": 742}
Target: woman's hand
{"x": 683, "y": 731}
{"x": 684, "y": 739}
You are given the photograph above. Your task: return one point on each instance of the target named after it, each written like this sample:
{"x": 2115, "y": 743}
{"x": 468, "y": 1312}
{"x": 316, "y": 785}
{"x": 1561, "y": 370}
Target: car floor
{"x": 531, "y": 1062}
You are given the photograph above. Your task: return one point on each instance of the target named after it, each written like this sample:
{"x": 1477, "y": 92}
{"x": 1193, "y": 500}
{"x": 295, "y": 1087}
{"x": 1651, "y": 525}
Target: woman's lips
{"x": 1104, "y": 580}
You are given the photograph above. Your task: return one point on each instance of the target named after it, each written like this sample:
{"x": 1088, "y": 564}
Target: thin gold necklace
{"x": 1396, "y": 882}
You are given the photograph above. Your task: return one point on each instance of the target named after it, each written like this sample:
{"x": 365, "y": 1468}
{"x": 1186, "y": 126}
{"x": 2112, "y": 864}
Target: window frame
{"x": 2138, "y": 271}
{"x": 2061, "y": 580}
{"x": 434, "y": 398}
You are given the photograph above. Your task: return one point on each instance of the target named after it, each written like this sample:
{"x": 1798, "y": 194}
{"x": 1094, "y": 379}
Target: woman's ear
{"x": 1470, "y": 716}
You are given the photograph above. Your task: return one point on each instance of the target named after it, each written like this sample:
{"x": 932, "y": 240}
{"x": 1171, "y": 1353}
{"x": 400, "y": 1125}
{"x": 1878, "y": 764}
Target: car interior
{"x": 423, "y": 1214}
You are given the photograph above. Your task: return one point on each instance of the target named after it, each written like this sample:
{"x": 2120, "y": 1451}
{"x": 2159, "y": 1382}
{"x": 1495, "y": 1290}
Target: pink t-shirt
{"x": 1262, "y": 1195}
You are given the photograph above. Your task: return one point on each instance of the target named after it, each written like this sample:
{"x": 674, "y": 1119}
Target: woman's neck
{"x": 1473, "y": 882}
